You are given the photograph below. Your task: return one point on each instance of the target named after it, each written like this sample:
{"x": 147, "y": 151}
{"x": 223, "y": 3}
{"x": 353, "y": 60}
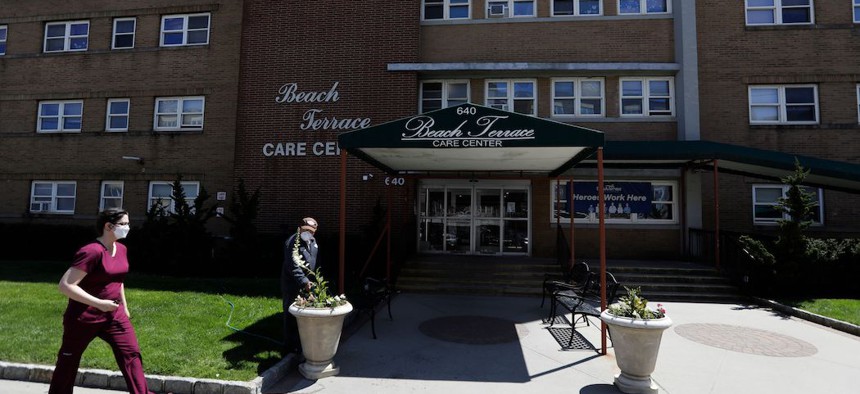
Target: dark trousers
{"x": 291, "y": 327}
{"x": 118, "y": 333}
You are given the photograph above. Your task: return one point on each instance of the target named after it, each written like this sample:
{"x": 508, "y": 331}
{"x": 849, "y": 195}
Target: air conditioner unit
{"x": 40, "y": 207}
{"x": 497, "y": 10}
{"x": 503, "y": 107}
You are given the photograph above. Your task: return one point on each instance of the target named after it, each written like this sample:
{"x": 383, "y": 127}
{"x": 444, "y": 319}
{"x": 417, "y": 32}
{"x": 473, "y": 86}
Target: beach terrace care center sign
{"x": 470, "y": 130}
{"x": 313, "y": 120}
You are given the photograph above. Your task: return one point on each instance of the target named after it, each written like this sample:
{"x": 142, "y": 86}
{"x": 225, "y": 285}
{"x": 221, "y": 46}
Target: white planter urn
{"x": 319, "y": 332}
{"x": 636, "y": 343}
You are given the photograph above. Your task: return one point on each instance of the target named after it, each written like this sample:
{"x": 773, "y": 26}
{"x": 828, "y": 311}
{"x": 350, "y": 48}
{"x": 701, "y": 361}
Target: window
{"x": 641, "y": 7}
{"x": 446, "y": 9}
{"x": 856, "y": 11}
{"x": 123, "y": 33}
{"x": 515, "y": 96}
{"x": 160, "y": 193}
{"x": 66, "y": 36}
{"x": 3, "y": 32}
{"x": 647, "y": 96}
{"x": 111, "y": 195}
{"x": 443, "y": 94}
{"x": 766, "y": 198}
{"x": 179, "y": 113}
{"x": 179, "y": 30}
{"x": 858, "y": 101}
{"x": 52, "y": 197}
{"x": 576, "y": 7}
{"x": 577, "y": 97}
{"x": 779, "y": 12}
{"x": 506, "y": 8}
{"x": 641, "y": 201}
{"x": 60, "y": 116}
{"x": 789, "y": 104}
{"x": 117, "y": 115}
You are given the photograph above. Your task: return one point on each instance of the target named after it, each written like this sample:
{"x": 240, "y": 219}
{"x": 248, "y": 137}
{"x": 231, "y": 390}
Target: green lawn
{"x": 180, "y": 323}
{"x": 847, "y": 310}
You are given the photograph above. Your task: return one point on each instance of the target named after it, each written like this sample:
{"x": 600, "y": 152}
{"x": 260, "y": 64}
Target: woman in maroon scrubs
{"x": 98, "y": 308}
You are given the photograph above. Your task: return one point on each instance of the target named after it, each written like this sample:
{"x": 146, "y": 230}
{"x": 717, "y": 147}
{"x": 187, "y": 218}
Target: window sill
{"x": 194, "y": 131}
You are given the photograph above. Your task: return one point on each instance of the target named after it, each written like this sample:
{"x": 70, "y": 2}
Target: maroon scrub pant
{"x": 118, "y": 333}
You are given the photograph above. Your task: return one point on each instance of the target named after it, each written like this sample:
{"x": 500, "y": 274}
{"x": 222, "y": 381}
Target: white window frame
{"x": 61, "y": 116}
{"x": 646, "y": 96}
{"x": 782, "y": 116}
{"x": 48, "y": 203}
{"x": 784, "y": 190}
{"x": 103, "y": 198}
{"x": 184, "y": 29}
{"x": 169, "y": 204}
{"x": 179, "y": 114}
{"x": 510, "y": 98}
{"x": 577, "y": 97}
{"x": 509, "y": 7}
{"x": 109, "y": 115}
{"x": 446, "y": 91}
{"x": 777, "y": 8}
{"x": 576, "y": 9}
{"x": 3, "y": 38}
{"x": 674, "y": 203}
{"x": 643, "y": 8}
{"x": 856, "y": 9}
{"x": 67, "y": 37}
{"x": 446, "y": 5}
{"x": 858, "y": 99}
{"x": 133, "y": 33}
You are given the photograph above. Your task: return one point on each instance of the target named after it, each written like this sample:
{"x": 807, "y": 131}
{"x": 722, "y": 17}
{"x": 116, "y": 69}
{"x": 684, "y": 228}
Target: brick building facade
{"x": 279, "y": 81}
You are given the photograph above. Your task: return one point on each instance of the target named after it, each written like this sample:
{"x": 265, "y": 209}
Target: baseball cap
{"x": 309, "y": 224}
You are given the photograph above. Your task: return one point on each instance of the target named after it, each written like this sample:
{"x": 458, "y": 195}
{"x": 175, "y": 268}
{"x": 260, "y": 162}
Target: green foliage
{"x": 244, "y": 241}
{"x": 318, "y": 296}
{"x": 791, "y": 244}
{"x": 757, "y": 250}
{"x": 635, "y": 306}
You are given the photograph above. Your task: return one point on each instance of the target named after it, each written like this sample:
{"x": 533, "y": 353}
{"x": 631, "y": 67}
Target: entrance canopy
{"x": 472, "y": 138}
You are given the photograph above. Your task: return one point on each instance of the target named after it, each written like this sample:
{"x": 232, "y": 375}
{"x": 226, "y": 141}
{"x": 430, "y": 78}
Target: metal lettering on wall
{"x": 313, "y": 119}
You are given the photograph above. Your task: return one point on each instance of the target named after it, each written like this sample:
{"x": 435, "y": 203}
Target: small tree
{"x": 791, "y": 245}
{"x": 241, "y": 214}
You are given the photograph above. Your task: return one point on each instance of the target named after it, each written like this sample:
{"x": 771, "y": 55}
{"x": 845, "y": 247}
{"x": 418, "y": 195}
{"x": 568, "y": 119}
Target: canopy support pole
{"x": 601, "y": 203}
{"x": 342, "y": 243}
{"x": 572, "y": 212}
{"x": 717, "y": 213}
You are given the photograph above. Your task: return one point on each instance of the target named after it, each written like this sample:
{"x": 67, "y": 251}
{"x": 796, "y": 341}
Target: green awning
{"x": 472, "y": 138}
{"x": 734, "y": 159}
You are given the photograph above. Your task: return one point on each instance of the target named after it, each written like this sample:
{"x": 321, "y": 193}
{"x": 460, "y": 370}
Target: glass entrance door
{"x": 481, "y": 217}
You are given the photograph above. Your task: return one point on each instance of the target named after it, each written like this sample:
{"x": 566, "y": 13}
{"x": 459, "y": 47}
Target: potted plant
{"x": 636, "y": 332}
{"x": 320, "y": 320}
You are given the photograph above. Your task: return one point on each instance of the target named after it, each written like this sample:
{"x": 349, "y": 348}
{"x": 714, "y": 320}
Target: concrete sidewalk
{"x": 711, "y": 348}
{"x": 467, "y": 344}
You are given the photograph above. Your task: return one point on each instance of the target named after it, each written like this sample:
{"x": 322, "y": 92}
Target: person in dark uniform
{"x": 293, "y": 278}
{"x": 98, "y": 308}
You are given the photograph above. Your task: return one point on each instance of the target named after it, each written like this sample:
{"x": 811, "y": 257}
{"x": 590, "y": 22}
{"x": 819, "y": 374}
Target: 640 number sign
{"x": 394, "y": 181}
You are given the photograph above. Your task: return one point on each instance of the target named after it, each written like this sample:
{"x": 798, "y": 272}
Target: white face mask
{"x": 307, "y": 236}
{"x": 121, "y": 231}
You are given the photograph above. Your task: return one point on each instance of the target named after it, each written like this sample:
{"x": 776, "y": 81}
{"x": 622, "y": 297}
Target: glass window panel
{"x": 190, "y": 190}
{"x": 786, "y": 3}
{"x": 173, "y": 24}
{"x": 662, "y": 193}
{"x": 170, "y": 106}
{"x": 458, "y": 90}
{"x": 65, "y": 204}
{"x": 56, "y": 31}
{"x": 657, "y": 6}
{"x": 172, "y": 38}
{"x": 78, "y": 43}
{"x": 192, "y": 106}
{"x": 198, "y": 22}
{"x": 123, "y": 41}
{"x": 55, "y": 44}
{"x": 489, "y": 232}
{"x": 524, "y": 8}
{"x": 459, "y": 12}
{"x": 515, "y": 204}
{"x": 434, "y": 11}
{"x": 800, "y": 113}
{"x": 112, "y": 190}
{"x": 523, "y": 89}
{"x": 562, "y": 7}
{"x": 765, "y": 113}
{"x": 524, "y": 106}
{"x": 661, "y": 211}
{"x": 50, "y": 109}
{"x": 198, "y": 37}
{"x": 453, "y": 103}
{"x": 3, "y": 34}
{"x": 125, "y": 26}
{"x": 66, "y": 189}
{"x": 110, "y": 203}
{"x": 431, "y": 234}
{"x": 767, "y": 194}
{"x": 590, "y": 107}
{"x": 631, "y": 88}
{"x": 162, "y": 190}
{"x": 631, "y": 106}
{"x": 658, "y": 104}
{"x": 72, "y": 123}
{"x": 658, "y": 88}
{"x": 767, "y": 212}
{"x": 167, "y": 121}
{"x": 119, "y": 107}
{"x": 431, "y": 105}
{"x": 489, "y": 201}
{"x": 591, "y": 88}
{"x": 564, "y": 89}
{"x": 589, "y": 7}
{"x": 497, "y": 89}
{"x": 564, "y": 107}
{"x": 79, "y": 29}
{"x": 2, "y": 48}
{"x": 799, "y": 95}
{"x": 118, "y": 122}
{"x": 432, "y": 90}
{"x": 192, "y": 120}
{"x": 43, "y": 189}
{"x": 459, "y": 202}
{"x": 629, "y": 7}
{"x": 436, "y": 203}
{"x": 49, "y": 124}
{"x": 856, "y": 14}
{"x": 764, "y": 96}
{"x": 760, "y": 16}
{"x": 760, "y": 3}
{"x": 72, "y": 108}
{"x": 516, "y": 236}
{"x": 458, "y": 236}
{"x": 796, "y": 15}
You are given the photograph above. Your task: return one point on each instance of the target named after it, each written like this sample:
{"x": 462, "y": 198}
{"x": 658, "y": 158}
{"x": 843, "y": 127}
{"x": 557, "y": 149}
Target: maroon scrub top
{"x": 105, "y": 274}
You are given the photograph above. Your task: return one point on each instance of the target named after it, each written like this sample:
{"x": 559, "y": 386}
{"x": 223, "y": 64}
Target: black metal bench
{"x": 582, "y": 301}
{"x": 373, "y": 293}
{"x": 577, "y": 277}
